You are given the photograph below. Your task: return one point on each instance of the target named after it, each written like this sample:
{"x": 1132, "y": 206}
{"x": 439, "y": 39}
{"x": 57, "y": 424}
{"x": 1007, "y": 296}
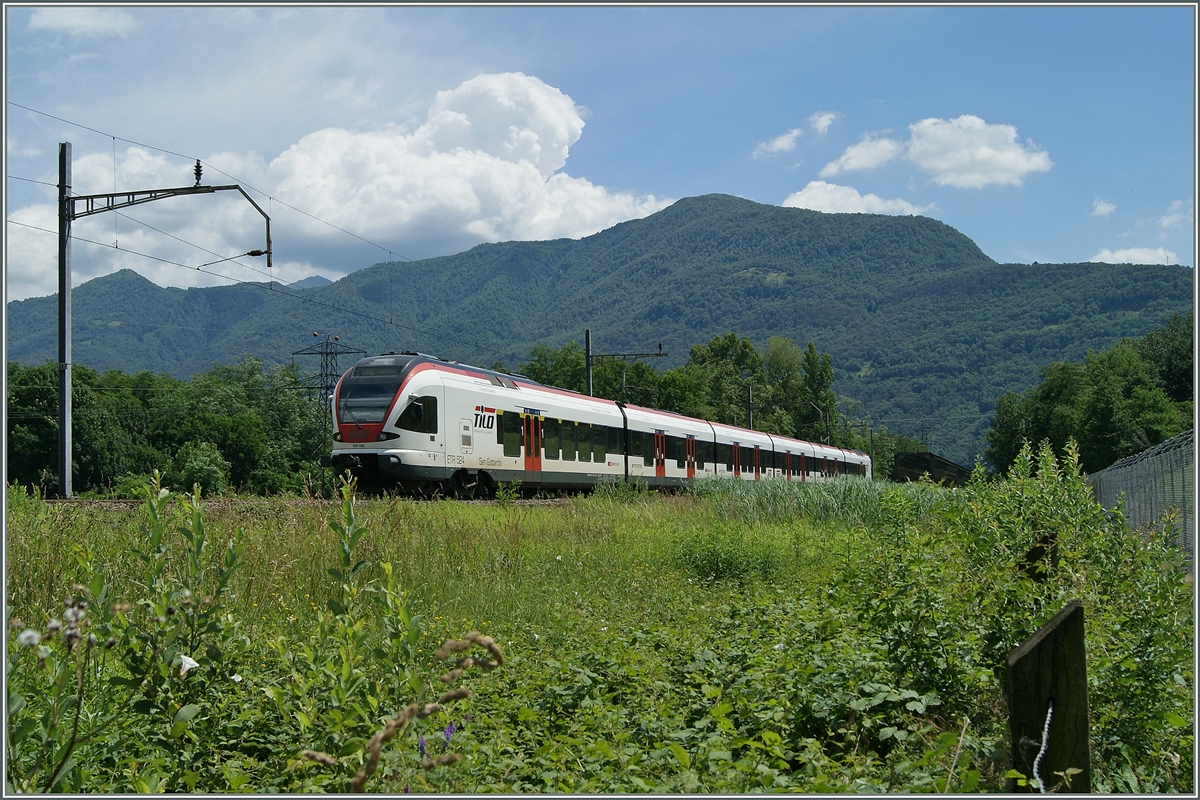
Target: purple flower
{"x": 421, "y": 746}
{"x": 449, "y": 732}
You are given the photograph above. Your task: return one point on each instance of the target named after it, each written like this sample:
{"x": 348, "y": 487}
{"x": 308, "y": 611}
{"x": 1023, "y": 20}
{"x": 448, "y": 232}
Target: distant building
{"x": 911, "y": 466}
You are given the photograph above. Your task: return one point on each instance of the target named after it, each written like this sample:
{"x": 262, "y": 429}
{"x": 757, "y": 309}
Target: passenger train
{"x": 420, "y": 424}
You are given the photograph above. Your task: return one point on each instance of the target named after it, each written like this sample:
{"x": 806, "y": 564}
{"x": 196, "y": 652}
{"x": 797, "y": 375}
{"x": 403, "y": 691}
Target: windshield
{"x": 365, "y": 402}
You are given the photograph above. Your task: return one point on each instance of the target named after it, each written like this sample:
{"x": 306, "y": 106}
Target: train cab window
{"x": 551, "y": 433}
{"x": 365, "y": 402}
{"x": 420, "y": 415}
{"x": 584, "y": 438}
{"x": 513, "y": 433}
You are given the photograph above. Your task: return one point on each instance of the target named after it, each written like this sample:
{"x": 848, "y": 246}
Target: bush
{"x": 201, "y": 463}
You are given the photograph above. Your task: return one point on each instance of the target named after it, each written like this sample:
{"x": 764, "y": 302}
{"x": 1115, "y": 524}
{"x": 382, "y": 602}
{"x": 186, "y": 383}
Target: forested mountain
{"x": 925, "y": 330}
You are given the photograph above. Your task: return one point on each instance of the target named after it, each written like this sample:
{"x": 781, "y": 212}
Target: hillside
{"x": 925, "y": 330}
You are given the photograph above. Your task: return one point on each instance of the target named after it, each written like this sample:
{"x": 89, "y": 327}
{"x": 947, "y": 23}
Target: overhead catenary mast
{"x": 71, "y": 208}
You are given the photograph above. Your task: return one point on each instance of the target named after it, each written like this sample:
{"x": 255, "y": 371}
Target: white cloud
{"x": 484, "y": 166}
{"x": 1178, "y": 215}
{"x": 821, "y": 120}
{"x": 967, "y": 152}
{"x": 867, "y": 154}
{"x": 834, "y": 199}
{"x": 83, "y": 22}
{"x": 1136, "y": 255}
{"x": 1102, "y": 208}
{"x": 780, "y": 144}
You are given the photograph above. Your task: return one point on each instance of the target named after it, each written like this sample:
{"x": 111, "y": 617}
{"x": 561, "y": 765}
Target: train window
{"x": 365, "y": 402}
{"x": 514, "y": 433}
{"x": 599, "y": 434}
{"x": 702, "y": 453}
{"x": 584, "y": 437}
{"x": 616, "y": 441}
{"x": 725, "y": 456}
{"x": 648, "y": 448}
{"x": 420, "y": 415}
{"x": 747, "y": 459}
{"x": 635, "y": 443}
{"x": 551, "y": 432}
{"x": 567, "y": 439}
{"x": 675, "y": 451}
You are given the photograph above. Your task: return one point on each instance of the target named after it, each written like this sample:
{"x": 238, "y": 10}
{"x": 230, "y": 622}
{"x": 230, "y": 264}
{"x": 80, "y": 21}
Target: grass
{"x": 742, "y": 637}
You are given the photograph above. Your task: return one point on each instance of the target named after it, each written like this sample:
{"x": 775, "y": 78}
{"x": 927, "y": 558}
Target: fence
{"x": 1153, "y": 481}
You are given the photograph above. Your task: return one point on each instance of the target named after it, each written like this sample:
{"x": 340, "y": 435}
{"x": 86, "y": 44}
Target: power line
{"x": 360, "y": 314}
{"x": 114, "y": 137}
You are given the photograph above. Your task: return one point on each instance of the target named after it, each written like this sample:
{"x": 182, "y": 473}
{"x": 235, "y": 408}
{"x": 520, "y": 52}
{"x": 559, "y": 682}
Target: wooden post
{"x": 1050, "y": 667}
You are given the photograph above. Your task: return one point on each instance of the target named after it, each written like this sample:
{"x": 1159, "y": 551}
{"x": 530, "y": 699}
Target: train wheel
{"x": 464, "y": 486}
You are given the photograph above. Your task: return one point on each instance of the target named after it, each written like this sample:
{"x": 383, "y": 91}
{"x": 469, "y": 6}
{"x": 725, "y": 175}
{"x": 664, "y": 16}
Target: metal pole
{"x": 750, "y": 405}
{"x": 64, "y": 319}
{"x": 587, "y": 347}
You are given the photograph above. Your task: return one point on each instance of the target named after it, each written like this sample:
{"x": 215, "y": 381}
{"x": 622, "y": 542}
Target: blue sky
{"x": 1044, "y": 134}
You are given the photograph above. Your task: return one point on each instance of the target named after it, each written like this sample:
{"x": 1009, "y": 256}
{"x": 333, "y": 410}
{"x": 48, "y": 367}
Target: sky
{"x": 370, "y": 134}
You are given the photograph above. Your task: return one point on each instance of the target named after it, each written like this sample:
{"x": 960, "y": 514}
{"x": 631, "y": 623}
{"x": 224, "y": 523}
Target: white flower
{"x": 779, "y": 647}
{"x": 186, "y": 663}
{"x": 28, "y": 637}
{"x": 53, "y": 626}
{"x": 558, "y": 558}
{"x": 72, "y": 615}
{"x": 235, "y": 678}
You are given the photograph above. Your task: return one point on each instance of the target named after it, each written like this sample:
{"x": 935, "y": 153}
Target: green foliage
{"x": 200, "y": 463}
{"x": 265, "y": 433}
{"x": 1114, "y": 403}
{"x": 854, "y": 642}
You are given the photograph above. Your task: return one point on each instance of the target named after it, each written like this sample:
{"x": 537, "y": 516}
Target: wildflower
{"x": 187, "y": 663}
{"x": 92, "y": 640}
{"x": 449, "y": 732}
{"x": 558, "y": 558}
{"x": 53, "y": 626}
{"x": 235, "y": 678}
{"x": 72, "y": 615}
{"x": 421, "y": 746}
{"x": 779, "y": 646}
{"x": 29, "y": 637}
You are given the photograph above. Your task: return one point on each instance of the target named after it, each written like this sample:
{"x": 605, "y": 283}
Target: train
{"x": 418, "y": 424}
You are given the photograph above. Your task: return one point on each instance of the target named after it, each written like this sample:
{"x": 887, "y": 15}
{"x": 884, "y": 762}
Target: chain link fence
{"x": 1153, "y": 481}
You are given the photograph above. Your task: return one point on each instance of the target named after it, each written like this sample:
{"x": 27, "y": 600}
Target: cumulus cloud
{"x": 821, "y": 120}
{"x": 780, "y": 144}
{"x": 1102, "y": 208}
{"x": 82, "y": 22}
{"x": 834, "y": 199}
{"x": 967, "y": 152}
{"x": 1178, "y": 215}
{"x": 867, "y": 154}
{"x": 1136, "y": 255}
{"x": 484, "y": 166}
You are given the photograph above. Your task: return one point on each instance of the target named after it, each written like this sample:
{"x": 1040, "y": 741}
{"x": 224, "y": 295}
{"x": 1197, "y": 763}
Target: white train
{"x": 417, "y": 423}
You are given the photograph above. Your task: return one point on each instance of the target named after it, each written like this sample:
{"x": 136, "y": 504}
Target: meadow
{"x": 737, "y": 638}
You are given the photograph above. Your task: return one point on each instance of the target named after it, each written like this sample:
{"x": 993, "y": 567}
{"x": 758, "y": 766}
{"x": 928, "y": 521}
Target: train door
{"x": 757, "y": 462}
{"x": 660, "y": 454}
{"x": 787, "y": 465}
{"x": 689, "y": 445}
{"x": 533, "y": 447}
{"x": 803, "y": 470}
{"x": 737, "y": 460}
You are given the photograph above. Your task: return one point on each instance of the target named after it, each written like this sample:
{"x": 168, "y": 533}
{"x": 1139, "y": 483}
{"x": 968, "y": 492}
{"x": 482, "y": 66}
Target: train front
{"x": 367, "y": 441}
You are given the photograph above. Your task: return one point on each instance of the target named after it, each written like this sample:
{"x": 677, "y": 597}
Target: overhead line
{"x": 371, "y": 317}
{"x": 213, "y": 167}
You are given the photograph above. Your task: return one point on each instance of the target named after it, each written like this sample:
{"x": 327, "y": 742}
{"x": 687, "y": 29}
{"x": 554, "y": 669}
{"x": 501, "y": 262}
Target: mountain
{"x": 925, "y": 330}
{"x": 311, "y": 282}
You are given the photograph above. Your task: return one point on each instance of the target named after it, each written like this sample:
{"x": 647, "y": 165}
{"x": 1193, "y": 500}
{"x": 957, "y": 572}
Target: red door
{"x": 690, "y": 452}
{"x": 533, "y": 447}
{"x": 757, "y": 462}
{"x": 787, "y": 465}
{"x": 803, "y": 469}
{"x": 737, "y": 460}
{"x": 660, "y": 454}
